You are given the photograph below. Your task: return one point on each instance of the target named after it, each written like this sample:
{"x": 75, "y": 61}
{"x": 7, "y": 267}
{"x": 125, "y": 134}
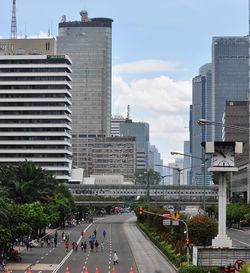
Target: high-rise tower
{"x": 230, "y": 79}
{"x": 89, "y": 45}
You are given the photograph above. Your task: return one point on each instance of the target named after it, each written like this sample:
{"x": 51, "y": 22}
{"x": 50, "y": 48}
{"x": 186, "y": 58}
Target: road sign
{"x": 175, "y": 215}
{"x": 166, "y": 214}
{"x": 175, "y": 223}
{"x": 166, "y": 222}
{"x": 238, "y": 265}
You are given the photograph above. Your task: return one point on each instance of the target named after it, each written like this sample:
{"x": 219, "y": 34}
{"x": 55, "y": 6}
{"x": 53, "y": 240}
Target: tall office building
{"x": 140, "y": 130}
{"x": 201, "y": 109}
{"x": 116, "y": 124}
{"x": 34, "y": 106}
{"x": 114, "y": 156}
{"x": 89, "y": 44}
{"x": 230, "y": 75}
{"x": 155, "y": 162}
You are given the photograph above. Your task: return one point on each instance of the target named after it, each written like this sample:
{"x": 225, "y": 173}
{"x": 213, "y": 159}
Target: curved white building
{"x": 34, "y": 111}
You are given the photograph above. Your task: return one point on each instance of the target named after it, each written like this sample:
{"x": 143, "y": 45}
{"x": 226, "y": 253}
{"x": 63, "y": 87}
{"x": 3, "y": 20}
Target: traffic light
{"x": 187, "y": 242}
{"x": 229, "y": 269}
{"x": 140, "y": 210}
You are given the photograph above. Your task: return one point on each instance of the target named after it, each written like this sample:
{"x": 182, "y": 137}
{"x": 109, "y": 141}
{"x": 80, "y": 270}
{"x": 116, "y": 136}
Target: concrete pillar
{"x": 222, "y": 240}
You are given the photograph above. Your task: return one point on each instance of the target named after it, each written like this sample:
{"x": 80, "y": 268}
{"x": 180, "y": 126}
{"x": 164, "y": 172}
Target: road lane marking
{"x": 68, "y": 255}
{"x": 241, "y": 242}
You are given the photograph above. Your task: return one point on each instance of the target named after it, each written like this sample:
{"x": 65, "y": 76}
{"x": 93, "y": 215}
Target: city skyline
{"x": 152, "y": 59}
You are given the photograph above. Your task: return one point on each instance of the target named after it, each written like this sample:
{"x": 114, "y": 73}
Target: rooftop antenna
{"x": 128, "y": 112}
{"x": 13, "y": 21}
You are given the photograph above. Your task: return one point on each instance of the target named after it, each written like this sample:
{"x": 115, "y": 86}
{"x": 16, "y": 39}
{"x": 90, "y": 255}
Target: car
{"x": 125, "y": 211}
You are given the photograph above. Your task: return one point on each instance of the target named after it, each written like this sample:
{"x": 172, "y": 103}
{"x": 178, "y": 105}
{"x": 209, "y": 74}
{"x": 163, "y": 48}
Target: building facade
{"x": 35, "y": 95}
{"x": 114, "y": 156}
{"x": 115, "y": 125}
{"x": 201, "y": 109}
{"x": 230, "y": 75}
{"x": 140, "y": 130}
{"x": 237, "y": 113}
{"x": 89, "y": 44}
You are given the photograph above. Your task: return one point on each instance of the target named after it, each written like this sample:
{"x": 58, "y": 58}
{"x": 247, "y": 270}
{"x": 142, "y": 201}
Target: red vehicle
{"x": 14, "y": 255}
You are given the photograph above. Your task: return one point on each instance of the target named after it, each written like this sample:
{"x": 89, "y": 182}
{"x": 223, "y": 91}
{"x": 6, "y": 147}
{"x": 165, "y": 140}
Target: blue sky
{"x": 158, "y": 46}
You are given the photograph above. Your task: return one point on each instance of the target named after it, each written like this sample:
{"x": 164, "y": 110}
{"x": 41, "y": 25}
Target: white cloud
{"x": 147, "y": 66}
{"x": 160, "y": 94}
{"x": 160, "y": 101}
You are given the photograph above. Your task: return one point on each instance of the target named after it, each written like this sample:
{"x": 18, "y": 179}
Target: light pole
{"x": 179, "y": 180}
{"x": 204, "y": 174}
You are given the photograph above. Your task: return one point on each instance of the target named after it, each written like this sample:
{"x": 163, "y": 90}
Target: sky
{"x": 157, "y": 48}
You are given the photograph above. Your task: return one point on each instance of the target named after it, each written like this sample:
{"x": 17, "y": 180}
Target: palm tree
{"x": 26, "y": 182}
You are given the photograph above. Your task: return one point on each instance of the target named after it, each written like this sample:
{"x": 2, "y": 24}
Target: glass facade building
{"x": 89, "y": 44}
{"x": 140, "y": 130}
{"x": 201, "y": 109}
{"x": 230, "y": 77}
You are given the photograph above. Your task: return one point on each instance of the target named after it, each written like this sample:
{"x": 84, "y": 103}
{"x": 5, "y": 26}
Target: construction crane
{"x": 13, "y": 21}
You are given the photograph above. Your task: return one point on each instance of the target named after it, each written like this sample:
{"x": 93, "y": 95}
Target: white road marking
{"x": 42, "y": 257}
{"x": 242, "y": 242}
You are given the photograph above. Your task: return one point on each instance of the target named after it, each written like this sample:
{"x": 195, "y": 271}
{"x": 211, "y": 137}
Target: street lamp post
{"x": 179, "y": 180}
{"x": 204, "y": 174}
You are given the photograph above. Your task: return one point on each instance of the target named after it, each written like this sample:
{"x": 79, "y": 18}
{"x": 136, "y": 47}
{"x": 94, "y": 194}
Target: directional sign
{"x": 166, "y": 222}
{"x": 166, "y": 214}
{"x": 175, "y": 223}
{"x": 175, "y": 215}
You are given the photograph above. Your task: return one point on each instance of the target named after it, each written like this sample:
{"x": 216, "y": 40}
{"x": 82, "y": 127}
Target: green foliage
{"x": 195, "y": 269}
{"x": 142, "y": 176}
{"x": 26, "y": 182}
{"x": 30, "y": 200}
{"x": 237, "y": 211}
{"x": 245, "y": 268}
{"x": 202, "y": 229}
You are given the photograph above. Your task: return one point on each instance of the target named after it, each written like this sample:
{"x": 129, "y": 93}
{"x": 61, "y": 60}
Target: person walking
{"x": 82, "y": 232}
{"x": 85, "y": 246}
{"x": 102, "y": 246}
{"x": 93, "y": 238}
{"x": 76, "y": 246}
{"x": 115, "y": 258}
{"x": 63, "y": 236}
{"x": 82, "y": 246}
{"x": 96, "y": 246}
{"x": 104, "y": 234}
{"x": 55, "y": 241}
{"x": 92, "y": 246}
{"x": 73, "y": 246}
{"x": 67, "y": 246}
{"x": 95, "y": 233}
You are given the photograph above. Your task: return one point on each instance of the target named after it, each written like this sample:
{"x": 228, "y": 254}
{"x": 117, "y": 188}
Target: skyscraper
{"x": 89, "y": 44}
{"x": 34, "y": 112}
{"x": 140, "y": 130}
{"x": 230, "y": 77}
{"x": 201, "y": 109}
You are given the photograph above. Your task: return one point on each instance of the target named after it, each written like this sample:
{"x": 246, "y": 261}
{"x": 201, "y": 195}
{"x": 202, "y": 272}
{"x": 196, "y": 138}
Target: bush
{"x": 202, "y": 229}
{"x": 195, "y": 269}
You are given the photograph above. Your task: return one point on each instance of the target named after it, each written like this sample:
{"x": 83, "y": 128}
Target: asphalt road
{"x": 240, "y": 238}
{"x": 132, "y": 248}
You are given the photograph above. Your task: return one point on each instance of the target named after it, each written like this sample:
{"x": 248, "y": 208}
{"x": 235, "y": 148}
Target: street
{"x": 240, "y": 238}
{"x": 132, "y": 248}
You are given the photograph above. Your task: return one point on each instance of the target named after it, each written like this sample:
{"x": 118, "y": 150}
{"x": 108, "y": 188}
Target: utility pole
{"x": 148, "y": 188}
{"x": 13, "y": 21}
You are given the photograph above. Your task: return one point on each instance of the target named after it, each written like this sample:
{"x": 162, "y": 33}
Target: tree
{"x": 26, "y": 182}
{"x": 202, "y": 229}
{"x": 236, "y": 211}
{"x": 141, "y": 176}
